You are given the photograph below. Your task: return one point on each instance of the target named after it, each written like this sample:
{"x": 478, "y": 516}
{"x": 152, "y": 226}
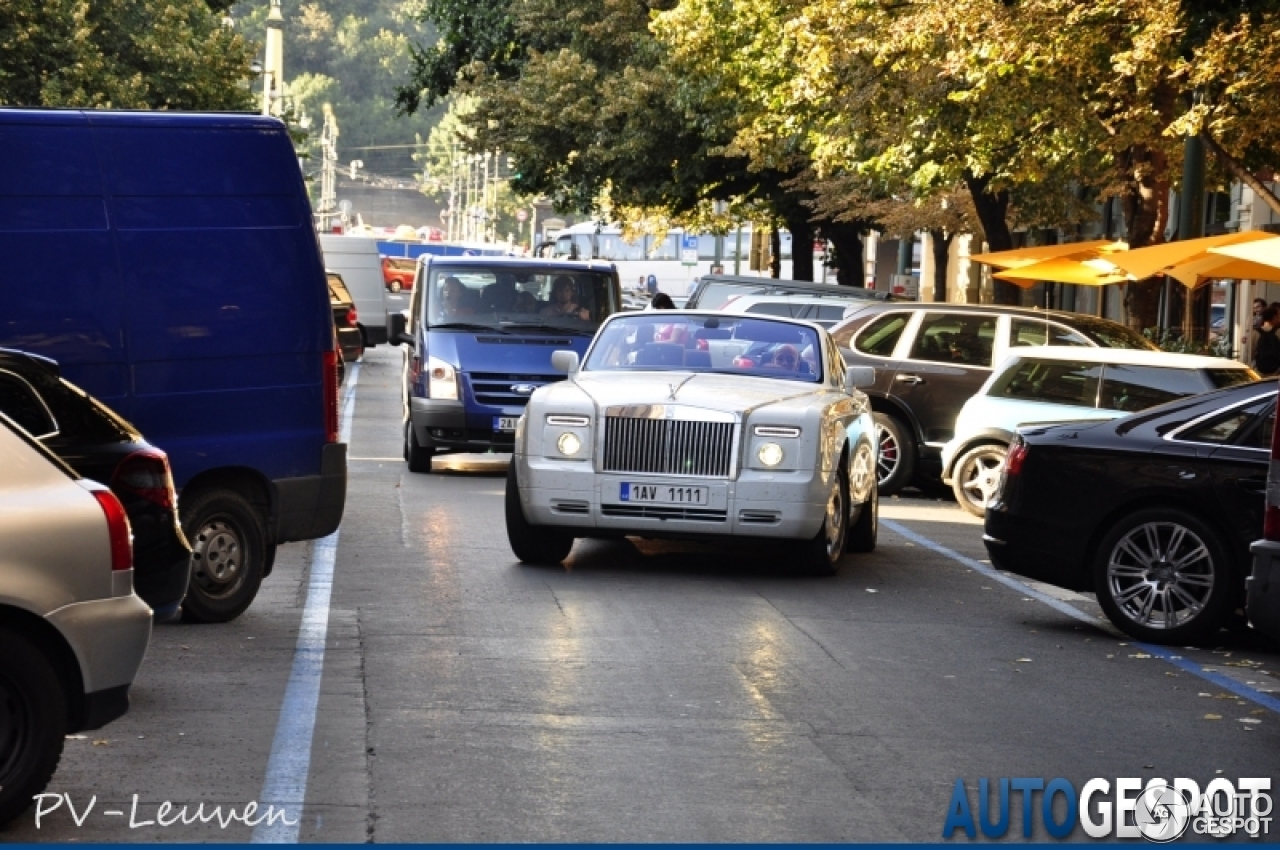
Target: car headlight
{"x": 569, "y": 444}
{"x": 442, "y": 379}
{"x": 770, "y": 454}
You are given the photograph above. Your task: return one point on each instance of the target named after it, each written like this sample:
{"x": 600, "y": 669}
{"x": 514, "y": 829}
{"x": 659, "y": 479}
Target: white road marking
{"x": 286, "y": 782}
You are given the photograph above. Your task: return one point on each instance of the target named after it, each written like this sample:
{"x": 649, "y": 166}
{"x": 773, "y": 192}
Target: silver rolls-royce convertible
{"x": 699, "y": 425}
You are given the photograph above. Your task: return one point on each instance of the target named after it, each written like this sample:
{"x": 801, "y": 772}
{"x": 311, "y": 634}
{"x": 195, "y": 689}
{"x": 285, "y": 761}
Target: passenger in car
{"x": 453, "y": 294}
{"x": 527, "y": 302}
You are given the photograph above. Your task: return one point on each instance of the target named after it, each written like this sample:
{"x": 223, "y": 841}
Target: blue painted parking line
{"x": 1225, "y": 682}
{"x": 286, "y": 782}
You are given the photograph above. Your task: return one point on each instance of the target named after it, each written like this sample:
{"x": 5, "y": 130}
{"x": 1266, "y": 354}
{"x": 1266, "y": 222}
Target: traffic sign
{"x": 522, "y": 215}
{"x": 689, "y": 250}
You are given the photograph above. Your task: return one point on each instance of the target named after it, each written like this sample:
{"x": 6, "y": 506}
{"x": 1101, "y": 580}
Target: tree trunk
{"x": 993, "y": 211}
{"x": 801, "y": 247}
{"x": 941, "y": 242}
{"x": 775, "y": 253}
{"x": 846, "y": 242}
{"x": 1146, "y": 210}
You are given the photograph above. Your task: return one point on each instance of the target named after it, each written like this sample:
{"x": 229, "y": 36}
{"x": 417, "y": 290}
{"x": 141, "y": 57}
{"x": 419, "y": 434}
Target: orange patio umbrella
{"x": 1167, "y": 258}
{"x": 1263, "y": 252}
{"x": 1020, "y": 257}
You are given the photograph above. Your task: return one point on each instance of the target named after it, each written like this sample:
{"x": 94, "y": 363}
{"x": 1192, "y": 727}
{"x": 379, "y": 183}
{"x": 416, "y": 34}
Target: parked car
{"x": 698, "y": 425}
{"x": 195, "y": 308}
{"x": 479, "y": 338}
{"x": 1154, "y": 512}
{"x": 72, "y": 631}
{"x": 823, "y": 311}
{"x": 99, "y": 445}
{"x": 1059, "y": 384}
{"x": 398, "y": 273}
{"x": 345, "y": 319}
{"x": 930, "y": 358}
{"x": 713, "y": 291}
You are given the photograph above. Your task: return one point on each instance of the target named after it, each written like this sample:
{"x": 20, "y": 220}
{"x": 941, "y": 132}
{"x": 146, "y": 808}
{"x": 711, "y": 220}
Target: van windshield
{"x": 524, "y": 297}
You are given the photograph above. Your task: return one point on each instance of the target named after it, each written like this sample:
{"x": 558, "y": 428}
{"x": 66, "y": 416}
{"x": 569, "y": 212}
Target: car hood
{"x": 727, "y": 393}
{"x": 515, "y": 354}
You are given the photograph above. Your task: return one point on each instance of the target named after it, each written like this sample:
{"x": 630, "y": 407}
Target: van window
{"x": 1139, "y": 387}
{"x": 960, "y": 338}
{"x": 880, "y": 337}
{"x": 497, "y": 296}
{"x": 1053, "y": 381}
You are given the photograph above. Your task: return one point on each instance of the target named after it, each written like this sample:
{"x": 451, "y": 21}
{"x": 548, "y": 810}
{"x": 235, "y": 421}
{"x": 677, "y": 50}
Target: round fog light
{"x": 770, "y": 454}
{"x": 568, "y": 444}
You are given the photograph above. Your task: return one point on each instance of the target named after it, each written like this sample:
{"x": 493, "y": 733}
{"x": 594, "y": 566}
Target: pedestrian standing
{"x": 1266, "y": 353}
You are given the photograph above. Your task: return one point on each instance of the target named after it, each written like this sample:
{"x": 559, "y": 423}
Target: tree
{"x": 131, "y": 54}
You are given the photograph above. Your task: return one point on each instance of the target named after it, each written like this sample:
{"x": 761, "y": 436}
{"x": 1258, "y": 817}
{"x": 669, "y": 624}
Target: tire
{"x": 863, "y": 533}
{"x": 975, "y": 476}
{"x": 229, "y": 555}
{"x": 33, "y": 723}
{"x": 821, "y": 555}
{"x": 417, "y": 456}
{"x": 394, "y": 286}
{"x": 532, "y": 544}
{"x": 896, "y": 458}
{"x": 1195, "y": 599}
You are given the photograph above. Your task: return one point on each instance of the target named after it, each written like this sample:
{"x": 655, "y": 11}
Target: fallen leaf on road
{"x": 101, "y": 742}
{"x": 1250, "y": 720}
{"x": 1139, "y": 655}
{"x": 1204, "y": 695}
{"x": 872, "y": 590}
{"x": 1213, "y": 717}
{"x": 1023, "y": 661}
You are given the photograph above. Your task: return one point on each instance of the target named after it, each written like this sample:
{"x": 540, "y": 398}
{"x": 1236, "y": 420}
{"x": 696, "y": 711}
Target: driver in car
{"x": 564, "y": 299}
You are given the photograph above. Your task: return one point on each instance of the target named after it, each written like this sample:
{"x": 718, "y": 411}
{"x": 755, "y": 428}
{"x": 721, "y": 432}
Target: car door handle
{"x": 1253, "y": 485}
{"x": 910, "y": 379}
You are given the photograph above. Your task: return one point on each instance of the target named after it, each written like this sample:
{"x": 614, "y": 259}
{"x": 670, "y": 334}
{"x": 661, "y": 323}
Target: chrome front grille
{"x": 497, "y": 389}
{"x": 668, "y": 446}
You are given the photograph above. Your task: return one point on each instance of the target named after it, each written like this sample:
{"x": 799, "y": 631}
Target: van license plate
{"x": 662, "y": 494}
{"x": 505, "y": 423}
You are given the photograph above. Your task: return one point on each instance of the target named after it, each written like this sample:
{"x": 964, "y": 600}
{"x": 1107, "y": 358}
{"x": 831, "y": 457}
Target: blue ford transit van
{"x": 169, "y": 264}
{"x": 480, "y": 334}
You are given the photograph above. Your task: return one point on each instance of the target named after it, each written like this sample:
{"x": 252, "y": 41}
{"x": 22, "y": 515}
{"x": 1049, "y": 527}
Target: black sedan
{"x": 1153, "y": 512}
{"x": 99, "y": 445}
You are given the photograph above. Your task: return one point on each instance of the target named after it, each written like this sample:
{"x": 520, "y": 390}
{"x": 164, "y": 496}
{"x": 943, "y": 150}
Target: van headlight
{"x": 769, "y": 454}
{"x": 442, "y": 379}
{"x": 569, "y": 444}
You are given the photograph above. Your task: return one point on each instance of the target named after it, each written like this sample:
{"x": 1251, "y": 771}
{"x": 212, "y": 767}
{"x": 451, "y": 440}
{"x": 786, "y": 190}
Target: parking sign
{"x": 689, "y": 250}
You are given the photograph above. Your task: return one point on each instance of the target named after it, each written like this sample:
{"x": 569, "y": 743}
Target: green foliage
{"x": 350, "y": 54}
{"x": 469, "y": 31}
{"x": 136, "y": 54}
{"x": 1170, "y": 339}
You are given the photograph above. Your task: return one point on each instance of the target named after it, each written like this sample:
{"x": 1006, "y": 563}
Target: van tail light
{"x": 118, "y": 531}
{"x": 352, "y": 317}
{"x": 1016, "y": 457}
{"x": 1271, "y": 523}
{"x": 146, "y": 473}
{"x": 329, "y": 373}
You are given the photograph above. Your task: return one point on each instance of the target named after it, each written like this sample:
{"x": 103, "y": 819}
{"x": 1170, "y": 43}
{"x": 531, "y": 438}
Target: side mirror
{"x": 396, "y": 335}
{"x": 857, "y": 377}
{"x": 564, "y": 361}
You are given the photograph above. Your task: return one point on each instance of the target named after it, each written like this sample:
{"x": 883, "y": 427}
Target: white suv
{"x": 826, "y": 312}
{"x": 1056, "y": 384}
{"x": 72, "y": 631}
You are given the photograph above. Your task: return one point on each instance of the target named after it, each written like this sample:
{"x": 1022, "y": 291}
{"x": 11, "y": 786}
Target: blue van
{"x": 169, "y": 264}
{"x": 480, "y": 333}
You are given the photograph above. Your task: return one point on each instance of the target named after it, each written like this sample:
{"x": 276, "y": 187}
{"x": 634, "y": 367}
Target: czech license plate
{"x": 505, "y": 423}
{"x": 662, "y": 494}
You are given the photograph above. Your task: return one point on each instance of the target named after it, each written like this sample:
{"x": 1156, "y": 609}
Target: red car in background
{"x": 398, "y": 272}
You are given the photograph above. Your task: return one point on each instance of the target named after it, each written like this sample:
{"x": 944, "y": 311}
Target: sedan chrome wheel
{"x": 1161, "y": 575}
{"x": 837, "y": 519}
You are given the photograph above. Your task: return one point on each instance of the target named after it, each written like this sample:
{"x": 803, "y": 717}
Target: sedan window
{"x": 1053, "y": 381}
{"x": 961, "y": 339}
{"x": 1248, "y": 426}
{"x": 1139, "y": 387}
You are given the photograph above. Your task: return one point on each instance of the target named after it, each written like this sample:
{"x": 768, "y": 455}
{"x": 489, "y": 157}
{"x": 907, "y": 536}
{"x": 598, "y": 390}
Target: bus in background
{"x": 662, "y": 258}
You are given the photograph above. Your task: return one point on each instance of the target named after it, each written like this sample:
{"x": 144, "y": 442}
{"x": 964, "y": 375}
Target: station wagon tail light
{"x": 146, "y": 473}
{"x": 776, "y": 431}
{"x": 329, "y": 375}
{"x": 118, "y": 531}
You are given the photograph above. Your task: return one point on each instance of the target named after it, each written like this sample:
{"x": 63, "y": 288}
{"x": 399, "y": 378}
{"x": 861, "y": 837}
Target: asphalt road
{"x": 642, "y": 692}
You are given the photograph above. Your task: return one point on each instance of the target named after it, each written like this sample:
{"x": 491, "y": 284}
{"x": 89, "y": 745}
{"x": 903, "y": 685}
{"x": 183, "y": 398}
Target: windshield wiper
{"x": 543, "y": 326}
{"x": 467, "y": 326}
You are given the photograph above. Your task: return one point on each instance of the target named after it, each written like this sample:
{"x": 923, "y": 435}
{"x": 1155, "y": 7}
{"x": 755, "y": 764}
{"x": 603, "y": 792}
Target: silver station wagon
{"x": 683, "y": 424}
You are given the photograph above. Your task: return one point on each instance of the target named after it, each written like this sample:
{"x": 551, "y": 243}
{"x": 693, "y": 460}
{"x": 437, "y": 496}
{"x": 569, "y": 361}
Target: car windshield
{"x": 693, "y": 343}
{"x": 519, "y": 296}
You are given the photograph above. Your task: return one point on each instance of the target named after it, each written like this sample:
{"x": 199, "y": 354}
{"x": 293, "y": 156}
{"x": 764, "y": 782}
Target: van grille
{"x": 668, "y": 446}
{"x": 494, "y": 389}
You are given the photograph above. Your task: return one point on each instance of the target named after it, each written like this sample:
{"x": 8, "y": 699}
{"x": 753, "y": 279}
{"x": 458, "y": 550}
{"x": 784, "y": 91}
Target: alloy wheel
{"x": 1161, "y": 575}
{"x": 889, "y": 455}
{"x": 980, "y": 476}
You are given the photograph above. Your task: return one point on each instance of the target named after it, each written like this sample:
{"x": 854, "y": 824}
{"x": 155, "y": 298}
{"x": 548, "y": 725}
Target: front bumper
{"x": 447, "y": 424}
{"x": 567, "y": 494}
{"x": 1263, "y": 588}
{"x": 108, "y": 636}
